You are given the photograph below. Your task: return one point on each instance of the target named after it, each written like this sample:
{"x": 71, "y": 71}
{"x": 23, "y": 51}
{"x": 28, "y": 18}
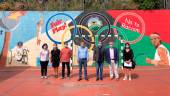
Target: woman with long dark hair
{"x": 128, "y": 64}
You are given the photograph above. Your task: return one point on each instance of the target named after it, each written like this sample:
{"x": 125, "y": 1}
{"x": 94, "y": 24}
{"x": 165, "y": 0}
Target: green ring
{"x": 102, "y": 30}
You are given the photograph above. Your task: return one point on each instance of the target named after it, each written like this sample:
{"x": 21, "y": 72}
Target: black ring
{"x": 94, "y": 13}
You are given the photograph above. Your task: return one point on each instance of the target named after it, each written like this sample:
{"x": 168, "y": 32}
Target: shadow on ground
{"x": 9, "y": 72}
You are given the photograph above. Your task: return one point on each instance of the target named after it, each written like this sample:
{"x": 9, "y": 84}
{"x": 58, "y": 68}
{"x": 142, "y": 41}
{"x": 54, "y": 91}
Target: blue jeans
{"x": 99, "y": 68}
{"x": 83, "y": 62}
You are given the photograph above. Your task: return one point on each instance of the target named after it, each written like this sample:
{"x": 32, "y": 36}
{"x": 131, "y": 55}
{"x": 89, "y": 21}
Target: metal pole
{"x": 165, "y": 3}
{"x": 60, "y": 5}
{"x": 84, "y": 5}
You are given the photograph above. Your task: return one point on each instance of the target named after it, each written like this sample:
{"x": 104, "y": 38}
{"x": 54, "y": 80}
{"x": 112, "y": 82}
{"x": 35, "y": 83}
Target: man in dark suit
{"x": 112, "y": 59}
{"x": 98, "y": 57}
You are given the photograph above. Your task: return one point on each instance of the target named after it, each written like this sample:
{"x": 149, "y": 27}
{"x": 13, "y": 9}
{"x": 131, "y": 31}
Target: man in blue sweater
{"x": 82, "y": 59}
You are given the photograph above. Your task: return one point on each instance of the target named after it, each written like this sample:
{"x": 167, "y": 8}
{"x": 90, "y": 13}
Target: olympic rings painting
{"x": 97, "y": 25}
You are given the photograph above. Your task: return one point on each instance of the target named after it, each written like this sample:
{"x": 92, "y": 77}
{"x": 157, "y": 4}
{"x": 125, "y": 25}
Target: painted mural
{"x": 26, "y": 31}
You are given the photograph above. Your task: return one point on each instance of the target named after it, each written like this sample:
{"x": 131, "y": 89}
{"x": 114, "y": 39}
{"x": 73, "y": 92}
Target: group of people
{"x": 55, "y": 57}
{"x": 110, "y": 55}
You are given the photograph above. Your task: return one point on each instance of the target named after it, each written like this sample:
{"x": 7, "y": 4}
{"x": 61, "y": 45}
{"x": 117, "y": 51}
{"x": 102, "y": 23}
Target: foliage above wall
{"x": 79, "y": 4}
{"x": 149, "y": 4}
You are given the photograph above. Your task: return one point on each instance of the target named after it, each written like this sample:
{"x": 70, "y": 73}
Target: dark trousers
{"x": 99, "y": 70}
{"x": 44, "y": 65}
{"x": 68, "y": 69}
{"x": 83, "y": 62}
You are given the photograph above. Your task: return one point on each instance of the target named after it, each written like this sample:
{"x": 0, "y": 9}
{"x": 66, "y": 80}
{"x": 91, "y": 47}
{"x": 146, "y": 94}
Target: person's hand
{"x": 148, "y": 60}
{"x": 127, "y": 62}
{"x": 87, "y": 60}
{"x": 77, "y": 61}
{"x": 50, "y": 60}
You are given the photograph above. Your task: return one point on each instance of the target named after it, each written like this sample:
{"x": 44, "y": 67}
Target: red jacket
{"x": 65, "y": 55}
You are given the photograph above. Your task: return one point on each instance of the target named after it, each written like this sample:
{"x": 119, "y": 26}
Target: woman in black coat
{"x": 128, "y": 61}
{"x": 55, "y": 59}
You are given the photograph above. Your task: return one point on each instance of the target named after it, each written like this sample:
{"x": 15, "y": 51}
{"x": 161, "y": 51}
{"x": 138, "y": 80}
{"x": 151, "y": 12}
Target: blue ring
{"x": 74, "y": 32}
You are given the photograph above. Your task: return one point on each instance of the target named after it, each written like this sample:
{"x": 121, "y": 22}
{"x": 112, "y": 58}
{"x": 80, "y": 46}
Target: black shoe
{"x": 101, "y": 78}
{"x": 79, "y": 79}
{"x": 87, "y": 79}
{"x": 56, "y": 76}
{"x": 62, "y": 77}
{"x": 97, "y": 79}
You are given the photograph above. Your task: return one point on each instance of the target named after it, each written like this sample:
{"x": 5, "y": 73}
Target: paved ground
{"x": 25, "y": 81}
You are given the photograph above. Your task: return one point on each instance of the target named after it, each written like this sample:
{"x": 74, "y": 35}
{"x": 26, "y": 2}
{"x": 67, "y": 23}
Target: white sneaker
{"x": 45, "y": 77}
{"x": 130, "y": 78}
{"x": 42, "y": 77}
{"x": 125, "y": 78}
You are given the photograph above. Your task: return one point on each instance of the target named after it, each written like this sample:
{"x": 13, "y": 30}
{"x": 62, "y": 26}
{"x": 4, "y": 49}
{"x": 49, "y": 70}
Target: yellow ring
{"x": 79, "y": 26}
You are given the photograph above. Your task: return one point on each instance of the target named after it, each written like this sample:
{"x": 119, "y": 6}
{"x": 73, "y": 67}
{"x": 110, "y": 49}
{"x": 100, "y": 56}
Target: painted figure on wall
{"x": 162, "y": 56}
{"x": 20, "y": 53}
